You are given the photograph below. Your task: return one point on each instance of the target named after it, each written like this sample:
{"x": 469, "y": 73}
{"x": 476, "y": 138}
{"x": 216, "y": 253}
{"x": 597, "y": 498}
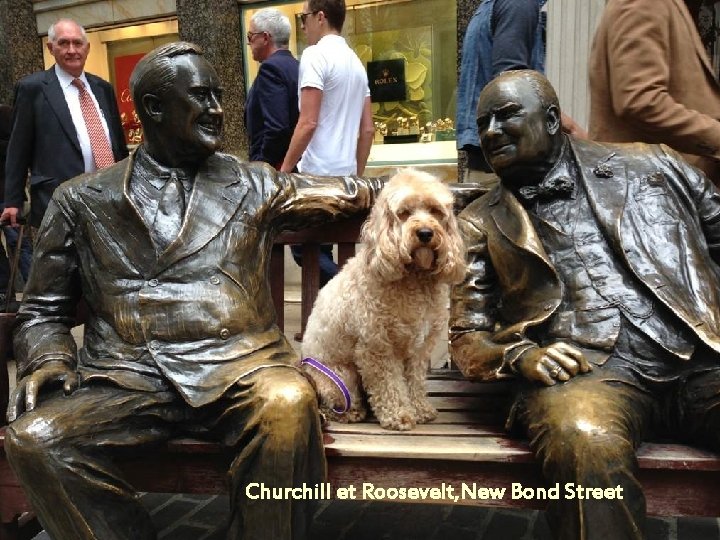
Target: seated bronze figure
{"x": 170, "y": 250}
{"x": 594, "y": 282}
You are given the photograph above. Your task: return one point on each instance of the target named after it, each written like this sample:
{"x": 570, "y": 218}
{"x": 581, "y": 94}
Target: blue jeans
{"x": 328, "y": 267}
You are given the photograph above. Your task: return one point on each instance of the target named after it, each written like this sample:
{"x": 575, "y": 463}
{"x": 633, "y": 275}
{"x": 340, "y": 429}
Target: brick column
{"x": 20, "y": 43}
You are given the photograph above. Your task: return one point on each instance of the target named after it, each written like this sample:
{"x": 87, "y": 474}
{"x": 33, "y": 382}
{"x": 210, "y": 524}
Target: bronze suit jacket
{"x": 200, "y": 314}
{"x": 651, "y": 81}
{"x": 661, "y": 218}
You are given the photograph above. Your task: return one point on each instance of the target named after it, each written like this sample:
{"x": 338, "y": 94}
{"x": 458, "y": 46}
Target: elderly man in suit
{"x": 594, "y": 282}
{"x": 271, "y": 112}
{"x": 66, "y": 122}
{"x": 170, "y": 249}
{"x": 651, "y": 80}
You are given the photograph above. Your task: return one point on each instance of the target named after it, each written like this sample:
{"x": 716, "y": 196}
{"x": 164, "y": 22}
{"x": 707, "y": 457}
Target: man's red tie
{"x": 98, "y": 141}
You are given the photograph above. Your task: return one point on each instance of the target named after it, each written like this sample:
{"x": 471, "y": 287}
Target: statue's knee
{"x": 291, "y": 400}
{"x": 24, "y": 437}
{"x": 571, "y": 439}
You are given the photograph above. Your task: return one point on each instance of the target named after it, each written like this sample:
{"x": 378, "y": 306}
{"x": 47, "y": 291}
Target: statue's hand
{"x": 24, "y": 397}
{"x": 556, "y": 362}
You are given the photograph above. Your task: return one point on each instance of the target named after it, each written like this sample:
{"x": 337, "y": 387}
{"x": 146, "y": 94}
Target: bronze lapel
{"x": 606, "y": 185}
{"x": 217, "y": 194}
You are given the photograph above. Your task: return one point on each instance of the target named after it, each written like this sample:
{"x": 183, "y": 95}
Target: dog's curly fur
{"x": 376, "y": 323}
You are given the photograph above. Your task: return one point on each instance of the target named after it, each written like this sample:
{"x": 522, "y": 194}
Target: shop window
{"x": 123, "y": 55}
{"x": 409, "y": 48}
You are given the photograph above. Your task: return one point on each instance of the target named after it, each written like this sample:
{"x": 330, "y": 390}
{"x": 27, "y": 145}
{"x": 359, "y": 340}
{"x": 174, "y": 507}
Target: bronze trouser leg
{"x": 74, "y": 488}
{"x": 696, "y": 408}
{"x": 59, "y": 454}
{"x": 585, "y": 432}
{"x": 272, "y": 418}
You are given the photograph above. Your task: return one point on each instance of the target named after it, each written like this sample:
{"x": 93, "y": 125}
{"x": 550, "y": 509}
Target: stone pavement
{"x": 192, "y": 517}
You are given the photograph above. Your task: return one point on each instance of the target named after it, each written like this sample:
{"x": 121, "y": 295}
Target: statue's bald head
{"x": 519, "y": 125}
{"x": 541, "y": 86}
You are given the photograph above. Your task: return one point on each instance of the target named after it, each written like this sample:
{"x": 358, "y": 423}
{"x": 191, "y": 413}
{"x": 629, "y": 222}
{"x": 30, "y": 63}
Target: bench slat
{"x": 470, "y": 403}
{"x": 486, "y": 448}
{"x": 464, "y": 429}
{"x": 437, "y": 384}
{"x": 677, "y": 456}
{"x": 488, "y": 419}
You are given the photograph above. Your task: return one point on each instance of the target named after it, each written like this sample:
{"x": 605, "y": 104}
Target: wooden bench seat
{"x": 461, "y": 446}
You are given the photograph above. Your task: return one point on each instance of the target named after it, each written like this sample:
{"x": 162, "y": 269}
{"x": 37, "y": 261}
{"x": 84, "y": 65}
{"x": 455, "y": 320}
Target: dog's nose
{"x": 424, "y": 235}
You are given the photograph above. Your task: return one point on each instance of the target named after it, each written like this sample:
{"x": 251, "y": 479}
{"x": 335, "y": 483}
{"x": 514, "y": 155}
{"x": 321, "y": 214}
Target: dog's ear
{"x": 451, "y": 263}
{"x": 381, "y": 239}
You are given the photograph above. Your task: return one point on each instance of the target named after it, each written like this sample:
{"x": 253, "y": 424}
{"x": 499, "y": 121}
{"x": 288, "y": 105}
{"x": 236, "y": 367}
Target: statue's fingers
{"x": 567, "y": 364}
{"x": 568, "y": 349}
{"x": 546, "y": 379}
{"x": 31, "y": 391}
{"x": 532, "y": 367}
{"x": 72, "y": 381}
{"x": 15, "y": 403}
{"x": 585, "y": 366}
{"x": 574, "y": 353}
{"x": 548, "y": 371}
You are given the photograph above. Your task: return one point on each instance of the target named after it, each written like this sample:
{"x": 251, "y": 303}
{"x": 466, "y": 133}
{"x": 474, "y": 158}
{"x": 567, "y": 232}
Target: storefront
{"x": 409, "y": 48}
{"x": 418, "y": 36}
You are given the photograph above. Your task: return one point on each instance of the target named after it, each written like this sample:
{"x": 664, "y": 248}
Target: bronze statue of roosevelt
{"x": 170, "y": 251}
{"x": 594, "y": 282}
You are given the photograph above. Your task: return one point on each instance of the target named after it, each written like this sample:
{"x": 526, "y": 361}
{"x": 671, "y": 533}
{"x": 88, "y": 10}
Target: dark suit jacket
{"x": 271, "y": 110}
{"x": 199, "y": 315}
{"x": 44, "y": 139}
{"x": 660, "y": 217}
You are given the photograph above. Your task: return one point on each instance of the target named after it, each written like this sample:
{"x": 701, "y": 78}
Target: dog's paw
{"x": 350, "y": 416}
{"x": 402, "y": 420}
{"x": 424, "y": 412}
{"x": 355, "y": 415}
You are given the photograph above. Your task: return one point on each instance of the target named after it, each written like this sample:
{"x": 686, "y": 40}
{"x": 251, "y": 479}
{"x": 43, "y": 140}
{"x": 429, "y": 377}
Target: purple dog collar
{"x": 330, "y": 374}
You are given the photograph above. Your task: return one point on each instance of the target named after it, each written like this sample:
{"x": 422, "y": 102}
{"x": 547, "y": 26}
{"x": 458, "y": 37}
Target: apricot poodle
{"x": 376, "y": 323}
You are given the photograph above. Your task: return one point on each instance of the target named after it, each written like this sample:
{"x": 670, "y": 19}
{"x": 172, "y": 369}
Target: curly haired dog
{"x": 376, "y": 323}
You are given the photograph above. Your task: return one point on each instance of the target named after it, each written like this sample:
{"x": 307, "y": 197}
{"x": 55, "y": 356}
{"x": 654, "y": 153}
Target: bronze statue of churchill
{"x": 170, "y": 251}
{"x": 594, "y": 282}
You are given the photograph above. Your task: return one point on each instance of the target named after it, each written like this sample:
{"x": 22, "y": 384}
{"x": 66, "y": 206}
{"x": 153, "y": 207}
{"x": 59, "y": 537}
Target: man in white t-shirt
{"x": 335, "y": 130}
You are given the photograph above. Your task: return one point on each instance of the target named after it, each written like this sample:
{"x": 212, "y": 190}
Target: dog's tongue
{"x": 424, "y": 258}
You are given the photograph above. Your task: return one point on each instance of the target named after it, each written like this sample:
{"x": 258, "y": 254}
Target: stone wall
{"x": 22, "y": 49}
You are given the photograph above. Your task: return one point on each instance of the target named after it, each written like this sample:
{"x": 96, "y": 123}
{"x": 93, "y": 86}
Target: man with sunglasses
{"x": 271, "y": 111}
{"x": 334, "y": 133}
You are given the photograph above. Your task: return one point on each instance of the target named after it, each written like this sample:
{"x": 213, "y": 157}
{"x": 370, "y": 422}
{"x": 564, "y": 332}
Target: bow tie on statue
{"x": 557, "y": 187}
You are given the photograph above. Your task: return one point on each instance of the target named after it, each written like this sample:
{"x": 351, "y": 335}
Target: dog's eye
{"x": 403, "y": 215}
{"x": 437, "y": 213}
